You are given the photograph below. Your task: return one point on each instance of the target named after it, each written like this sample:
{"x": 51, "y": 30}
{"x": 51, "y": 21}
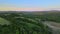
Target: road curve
{"x": 55, "y": 26}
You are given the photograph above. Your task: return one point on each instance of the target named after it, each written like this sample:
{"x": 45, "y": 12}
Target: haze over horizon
{"x": 29, "y": 5}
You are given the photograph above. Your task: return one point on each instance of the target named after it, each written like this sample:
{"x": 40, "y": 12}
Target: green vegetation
{"x": 21, "y": 23}
{"x": 3, "y": 21}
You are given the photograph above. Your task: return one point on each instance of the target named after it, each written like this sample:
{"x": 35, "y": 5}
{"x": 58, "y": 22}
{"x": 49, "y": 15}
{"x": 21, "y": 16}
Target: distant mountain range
{"x": 48, "y": 11}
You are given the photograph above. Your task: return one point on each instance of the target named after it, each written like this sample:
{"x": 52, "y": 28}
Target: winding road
{"x": 55, "y": 26}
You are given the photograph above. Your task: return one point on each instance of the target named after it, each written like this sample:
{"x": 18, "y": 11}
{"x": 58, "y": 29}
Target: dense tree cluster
{"x": 23, "y": 24}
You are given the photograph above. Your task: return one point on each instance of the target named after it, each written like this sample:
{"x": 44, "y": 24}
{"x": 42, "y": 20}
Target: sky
{"x": 28, "y": 5}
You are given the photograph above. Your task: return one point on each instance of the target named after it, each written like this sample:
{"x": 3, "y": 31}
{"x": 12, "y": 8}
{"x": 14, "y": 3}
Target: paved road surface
{"x": 55, "y": 26}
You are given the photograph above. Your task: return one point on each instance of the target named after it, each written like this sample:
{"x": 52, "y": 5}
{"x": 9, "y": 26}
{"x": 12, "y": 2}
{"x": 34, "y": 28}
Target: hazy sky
{"x": 29, "y": 4}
